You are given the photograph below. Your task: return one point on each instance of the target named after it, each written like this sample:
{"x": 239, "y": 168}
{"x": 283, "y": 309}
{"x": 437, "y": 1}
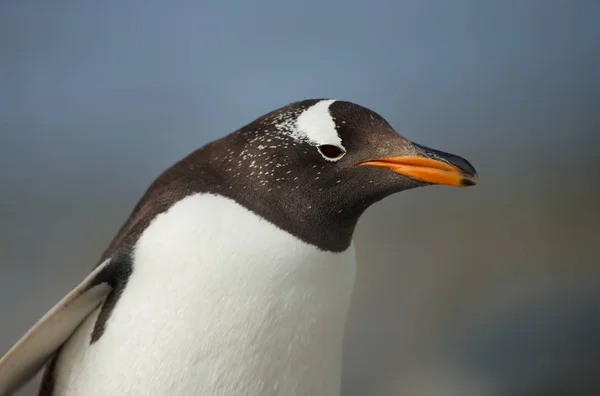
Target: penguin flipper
{"x": 32, "y": 351}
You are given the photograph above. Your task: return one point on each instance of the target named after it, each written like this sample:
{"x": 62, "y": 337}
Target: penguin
{"x": 233, "y": 274}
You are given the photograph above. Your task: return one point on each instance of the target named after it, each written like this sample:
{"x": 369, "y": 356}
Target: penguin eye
{"x": 331, "y": 152}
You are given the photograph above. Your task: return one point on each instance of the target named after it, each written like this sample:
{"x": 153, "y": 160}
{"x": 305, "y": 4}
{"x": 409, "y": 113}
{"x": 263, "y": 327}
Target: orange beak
{"x": 444, "y": 168}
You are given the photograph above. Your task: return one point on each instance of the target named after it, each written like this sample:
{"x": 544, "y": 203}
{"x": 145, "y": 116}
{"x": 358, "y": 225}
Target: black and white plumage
{"x": 233, "y": 275}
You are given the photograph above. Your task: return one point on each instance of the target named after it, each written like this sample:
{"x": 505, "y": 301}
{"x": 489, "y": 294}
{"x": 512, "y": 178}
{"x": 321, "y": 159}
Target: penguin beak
{"x": 430, "y": 166}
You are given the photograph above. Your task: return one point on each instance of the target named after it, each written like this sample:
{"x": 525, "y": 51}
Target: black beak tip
{"x": 463, "y": 165}
{"x": 459, "y": 162}
{"x": 467, "y": 182}
{"x": 467, "y": 168}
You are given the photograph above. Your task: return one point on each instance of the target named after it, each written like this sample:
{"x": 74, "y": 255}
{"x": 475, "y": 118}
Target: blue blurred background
{"x": 489, "y": 291}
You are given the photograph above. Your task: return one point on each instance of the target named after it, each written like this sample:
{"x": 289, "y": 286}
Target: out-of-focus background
{"x": 490, "y": 291}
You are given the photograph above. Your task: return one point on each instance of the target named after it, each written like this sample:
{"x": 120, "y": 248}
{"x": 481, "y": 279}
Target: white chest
{"x": 220, "y": 302}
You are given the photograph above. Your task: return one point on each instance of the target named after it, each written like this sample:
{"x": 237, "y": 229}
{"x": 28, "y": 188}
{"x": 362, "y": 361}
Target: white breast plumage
{"x": 216, "y": 296}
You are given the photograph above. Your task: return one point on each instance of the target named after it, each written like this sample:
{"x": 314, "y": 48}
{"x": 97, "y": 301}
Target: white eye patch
{"x": 316, "y": 126}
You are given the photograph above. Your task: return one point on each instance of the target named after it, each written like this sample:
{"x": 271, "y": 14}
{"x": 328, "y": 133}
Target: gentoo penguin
{"x": 234, "y": 272}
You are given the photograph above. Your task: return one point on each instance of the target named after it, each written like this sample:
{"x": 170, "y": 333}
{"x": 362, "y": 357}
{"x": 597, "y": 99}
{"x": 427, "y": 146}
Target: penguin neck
{"x": 316, "y": 216}
{"x": 310, "y": 221}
